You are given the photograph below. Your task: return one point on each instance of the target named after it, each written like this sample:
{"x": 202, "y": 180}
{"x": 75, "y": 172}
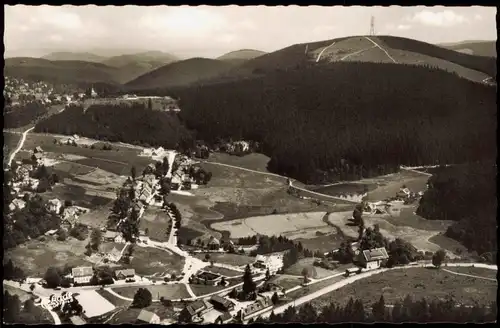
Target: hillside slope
{"x": 240, "y": 56}
{"x": 180, "y": 73}
{"x": 478, "y": 48}
{"x": 380, "y": 49}
{"x": 70, "y": 72}
{"x": 134, "y": 65}
{"x": 79, "y": 56}
{"x": 373, "y": 116}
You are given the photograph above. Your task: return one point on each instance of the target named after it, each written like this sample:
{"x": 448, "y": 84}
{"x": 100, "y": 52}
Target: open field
{"x": 230, "y": 259}
{"x": 223, "y": 271}
{"x": 451, "y": 245}
{"x": 116, "y": 301}
{"x": 172, "y": 292}
{"x": 156, "y": 221}
{"x": 420, "y": 283}
{"x": 130, "y": 315}
{"x": 23, "y": 296}
{"x": 345, "y": 189}
{"x": 97, "y": 218}
{"x": 314, "y": 287}
{"x": 67, "y": 168}
{"x": 78, "y": 194}
{"x": 253, "y": 161}
{"x": 417, "y": 237}
{"x": 35, "y": 256}
{"x": 293, "y": 225}
{"x": 475, "y": 271}
{"x": 119, "y": 160}
{"x": 148, "y": 261}
{"x": 389, "y": 185}
{"x": 201, "y": 289}
{"x": 313, "y": 271}
{"x": 10, "y": 142}
{"x": 287, "y": 281}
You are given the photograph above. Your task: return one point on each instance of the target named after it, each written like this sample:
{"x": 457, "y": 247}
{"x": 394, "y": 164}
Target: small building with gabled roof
{"x": 372, "y": 258}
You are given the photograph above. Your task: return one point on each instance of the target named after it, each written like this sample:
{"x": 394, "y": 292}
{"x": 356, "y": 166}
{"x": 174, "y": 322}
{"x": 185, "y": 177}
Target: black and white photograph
{"x": 257, "y": 164}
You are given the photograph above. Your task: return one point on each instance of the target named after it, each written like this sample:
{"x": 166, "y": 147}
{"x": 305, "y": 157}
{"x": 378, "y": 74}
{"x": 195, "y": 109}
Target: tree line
{"x": 21, "y": 115}
{"x": 408, "y": 310}
{"x": 341, "y": 121}
{"x": 465, "y": 194}
{"x": 17, "y": 312}
{"x": 130, "y": 123}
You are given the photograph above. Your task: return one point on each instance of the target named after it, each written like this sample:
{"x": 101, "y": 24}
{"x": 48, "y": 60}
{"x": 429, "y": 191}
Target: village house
{"x": 110, "y": 236}
{"x": 273, "y": 263}
{"x": 51, "y": 232}
{"x": 54, "y": 205}
{"x": 372, "y": 258}
{"x": 38, "y": 149}
{"x": 213, "y": 243}
{"x": 77, "y": 321}
{"x": 17, "y": 204}
{"x": 207, "y": 278}
{"x": 224, "y": 318}
{"x": 37, "y": 158}
{"x": 199, "y": 308}
{"x": 82, "y": 275}
{"x": 258, "y": 305}
{"x": 221, "y": 303}
{"x": 124, "y": 274}
{"x": 148, "y": 317}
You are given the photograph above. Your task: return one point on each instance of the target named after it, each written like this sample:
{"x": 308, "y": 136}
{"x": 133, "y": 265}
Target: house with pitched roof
{"x": 199, "y": 308}
{"x": 258, "y": 305}
{"x": 124, "y": 274}
{"x": 221, "y": 303}
{"x": 82, "y": 275}
{"x": 372, "y": 258}
{"x": 148, "y": 317}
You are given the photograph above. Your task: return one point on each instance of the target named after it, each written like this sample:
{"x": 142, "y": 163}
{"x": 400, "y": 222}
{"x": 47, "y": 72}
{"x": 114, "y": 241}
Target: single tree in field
{"x": 249, "y": 286}
{"x": 275, "y": 298}
{"x": 95, "y": 239}
{"x": 305, "y": 274}
{"x": 32, "y": 287}
{"x": 52, "y": 277}
{"x": 150, "y": 104}
{"x": 207, "y": 257}
{"x": 142, "y": 298}
{"x": 268, "y": 274}
{"x": 223, "y": 281}
{"x": 133, "y": 173}
{"x": 438, "y": 258}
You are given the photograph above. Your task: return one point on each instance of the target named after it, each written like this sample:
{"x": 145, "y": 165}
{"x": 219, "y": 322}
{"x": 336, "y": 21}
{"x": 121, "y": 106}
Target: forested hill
{"x": 337, "y": 120}
{"x": 127, "y": 123}
{"x": 466, "y": 194}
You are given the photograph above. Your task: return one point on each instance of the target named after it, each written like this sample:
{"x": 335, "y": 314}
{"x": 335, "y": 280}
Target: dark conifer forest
{"x": 466, "y": 194}
{"x": 347, "y": 120}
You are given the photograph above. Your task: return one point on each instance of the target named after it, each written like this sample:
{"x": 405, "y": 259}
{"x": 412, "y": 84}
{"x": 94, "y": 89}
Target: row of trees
{"x": 127, "y": 123}
{"x": 466, "y": 194}
{"x": 347, "y": 120}
{"x": 409, "y": 310}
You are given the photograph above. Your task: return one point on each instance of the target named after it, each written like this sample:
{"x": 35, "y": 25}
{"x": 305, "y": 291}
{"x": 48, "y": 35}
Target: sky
{"x": 209, "y": 31}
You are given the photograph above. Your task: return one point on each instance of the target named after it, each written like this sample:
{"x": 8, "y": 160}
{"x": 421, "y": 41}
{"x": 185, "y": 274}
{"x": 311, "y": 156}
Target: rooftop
{"x": 82, "y": 271}
{"x": 375, "y": 254}
{"x": 146, "y": 316}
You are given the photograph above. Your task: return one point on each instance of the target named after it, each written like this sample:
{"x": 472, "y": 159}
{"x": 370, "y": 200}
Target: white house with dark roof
{"x": 372, "y": 258}
{"x": 82, "y": 275}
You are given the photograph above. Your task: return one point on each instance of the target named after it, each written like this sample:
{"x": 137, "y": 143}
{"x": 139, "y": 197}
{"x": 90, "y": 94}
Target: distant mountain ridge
{"x": 478, "y": 48}
{"x": 81, "y": 56}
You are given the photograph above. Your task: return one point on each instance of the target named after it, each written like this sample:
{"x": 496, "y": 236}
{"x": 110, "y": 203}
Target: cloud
{"x": 403, "y": 27}
{"x": 445, "y": 18}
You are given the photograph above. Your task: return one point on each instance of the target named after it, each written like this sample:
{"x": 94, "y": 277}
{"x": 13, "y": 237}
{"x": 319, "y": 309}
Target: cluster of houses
{"x": 22, "y": 180}
{"x": 20, "y": 92}
{"x": 272, "y": 262}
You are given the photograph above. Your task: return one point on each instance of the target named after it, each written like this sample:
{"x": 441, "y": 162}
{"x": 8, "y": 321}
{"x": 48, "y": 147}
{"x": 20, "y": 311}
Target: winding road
{"x": 20, "y": 145}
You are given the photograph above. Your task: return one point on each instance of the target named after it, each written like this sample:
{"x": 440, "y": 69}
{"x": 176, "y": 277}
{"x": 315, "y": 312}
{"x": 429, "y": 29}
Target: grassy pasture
{"x": 148, "y": 261}
{"x": 230, "y": 259}
{"x": 420, "y": 283}
{"x": 36, "y": 256}
{"x": 254, "y": 161}
{"x": 172, "y": 292}
{"x": 156, "y": 221}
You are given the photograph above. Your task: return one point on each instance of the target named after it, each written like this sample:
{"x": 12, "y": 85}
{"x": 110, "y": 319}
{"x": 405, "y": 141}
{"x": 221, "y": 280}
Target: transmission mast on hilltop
{"x": 372, "y": 26}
